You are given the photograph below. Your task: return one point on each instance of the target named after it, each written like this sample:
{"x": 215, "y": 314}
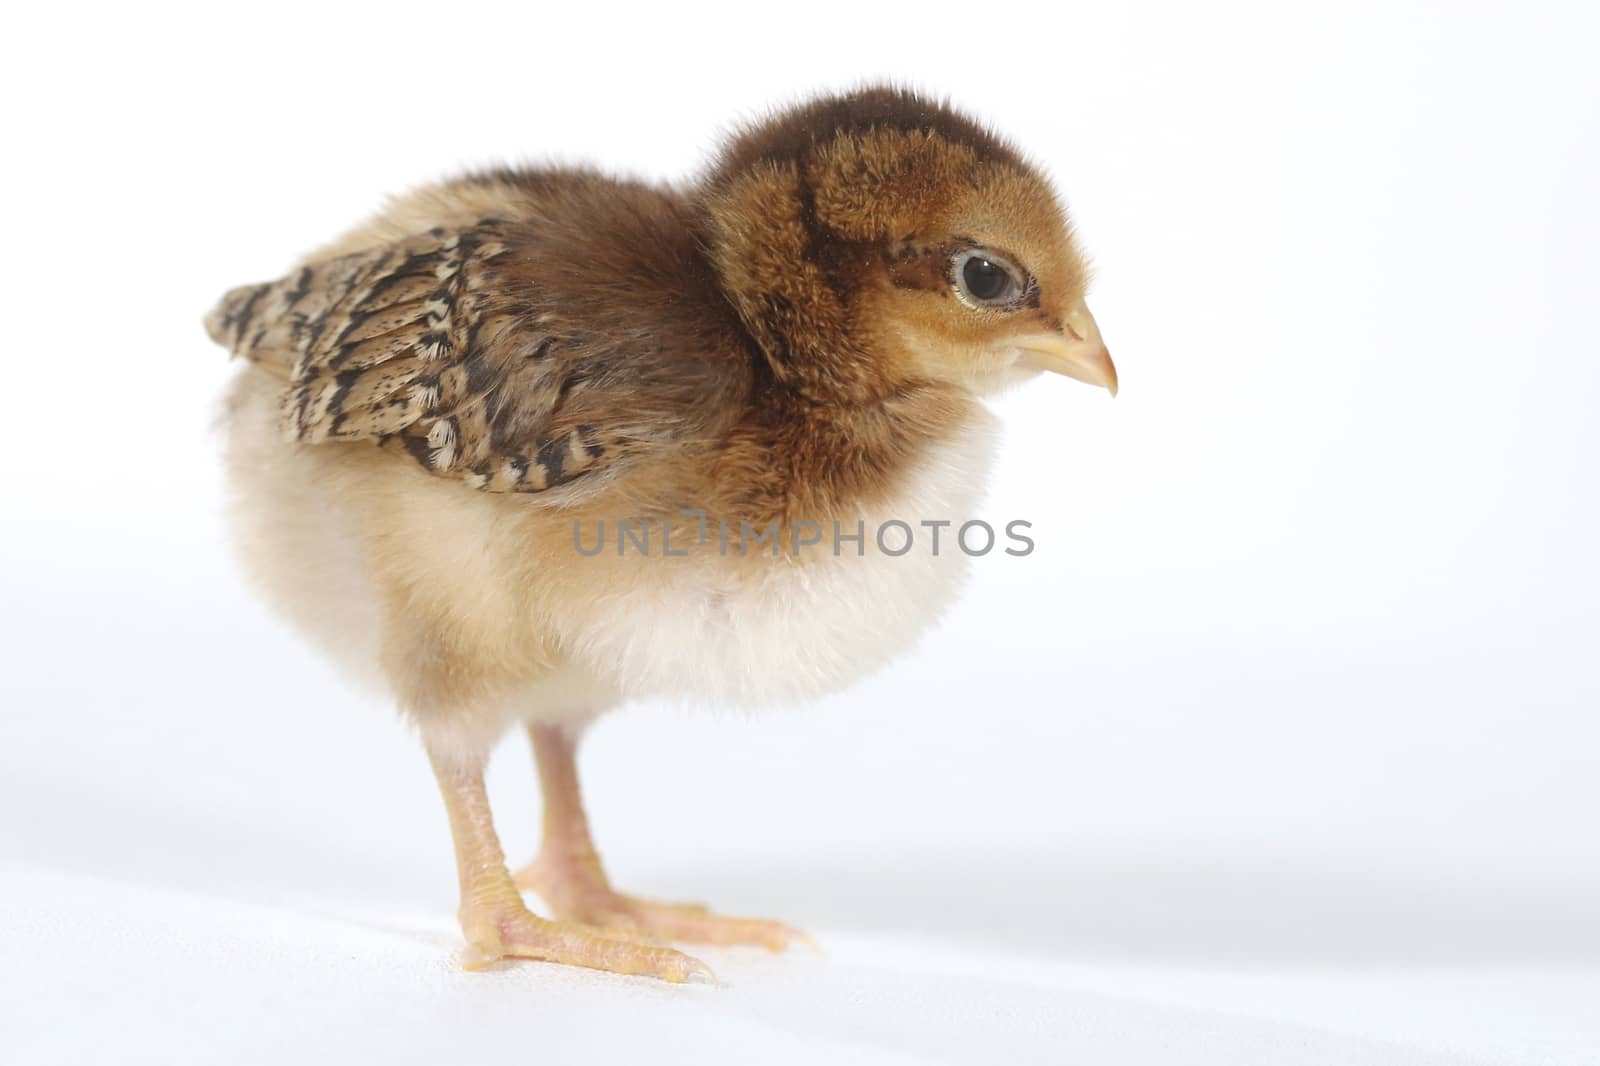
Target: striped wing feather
{"x": 415, "y": 346}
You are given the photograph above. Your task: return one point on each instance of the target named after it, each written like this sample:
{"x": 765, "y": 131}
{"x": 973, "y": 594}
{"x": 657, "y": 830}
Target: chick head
{"x": 877, "y": 238}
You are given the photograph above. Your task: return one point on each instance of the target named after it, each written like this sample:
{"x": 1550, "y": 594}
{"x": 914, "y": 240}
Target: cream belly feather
{"x": 326, "y": 540}
{"x": 789, "y": 631}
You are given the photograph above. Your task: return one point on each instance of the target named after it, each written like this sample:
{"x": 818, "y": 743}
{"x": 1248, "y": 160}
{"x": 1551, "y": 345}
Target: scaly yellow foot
{"x": 497, "y": 924}
{"x": 568, "y": 876}
{"x": 574, "y": 893}
{"x": 510, "y": 931}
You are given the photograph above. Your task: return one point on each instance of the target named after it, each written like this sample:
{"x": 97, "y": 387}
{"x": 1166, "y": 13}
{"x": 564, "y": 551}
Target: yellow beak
{"x": 1077, "y": 351}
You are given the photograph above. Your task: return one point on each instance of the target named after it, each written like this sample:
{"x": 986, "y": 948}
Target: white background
{"x": 1279, "y": 749}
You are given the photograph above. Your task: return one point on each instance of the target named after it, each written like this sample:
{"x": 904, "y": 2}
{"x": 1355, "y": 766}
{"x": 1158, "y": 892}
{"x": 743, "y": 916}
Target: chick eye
{"x": 987, "y": 280}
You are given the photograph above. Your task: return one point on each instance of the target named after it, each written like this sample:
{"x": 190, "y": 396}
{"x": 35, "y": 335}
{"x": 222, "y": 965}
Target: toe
{"x": 671, "y": 922}
{"x": 520, "y": 934}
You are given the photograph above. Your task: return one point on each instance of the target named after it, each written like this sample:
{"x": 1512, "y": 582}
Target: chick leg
{"x": 568, "y": 876}
{"x": 497, "y": 924}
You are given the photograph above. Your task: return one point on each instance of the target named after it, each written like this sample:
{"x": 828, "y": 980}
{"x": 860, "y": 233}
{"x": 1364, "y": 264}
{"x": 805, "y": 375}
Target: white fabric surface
{"x": 205, "y": 861}
{"x": 107, "y": 971}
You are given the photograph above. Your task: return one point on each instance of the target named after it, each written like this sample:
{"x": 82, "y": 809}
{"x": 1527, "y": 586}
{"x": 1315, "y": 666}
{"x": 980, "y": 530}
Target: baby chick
{"x": 443, "y": 413}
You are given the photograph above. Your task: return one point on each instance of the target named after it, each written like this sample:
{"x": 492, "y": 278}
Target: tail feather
{"x": 229, "y": 322}
{"x": 250, "y": 321}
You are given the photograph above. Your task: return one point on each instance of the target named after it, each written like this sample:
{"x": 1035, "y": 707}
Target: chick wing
{"x": 437, "y": 345}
